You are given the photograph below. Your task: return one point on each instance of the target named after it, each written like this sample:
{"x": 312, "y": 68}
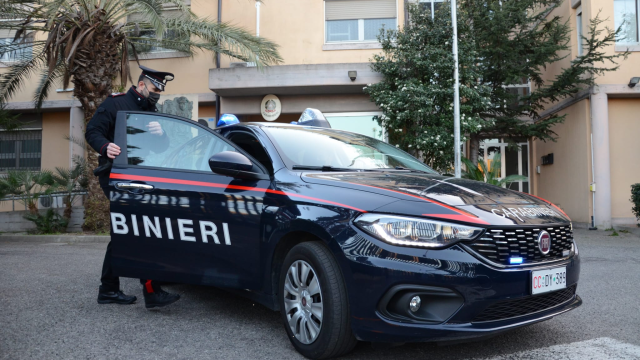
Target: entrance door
{"x": 172, "y": 218}
{"x": 514, "y": 161}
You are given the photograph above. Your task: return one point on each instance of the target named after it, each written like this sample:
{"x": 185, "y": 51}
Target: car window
{"x": 253, "y": 147}
{"x": 159, "y": 141}
{"x": 309, "y": 146}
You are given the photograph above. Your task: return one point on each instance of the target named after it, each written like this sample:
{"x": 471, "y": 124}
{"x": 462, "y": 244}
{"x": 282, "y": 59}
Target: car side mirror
{"x": 234, "y": 164}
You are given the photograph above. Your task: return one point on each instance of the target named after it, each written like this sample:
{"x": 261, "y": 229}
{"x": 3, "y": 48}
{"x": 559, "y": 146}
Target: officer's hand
{"x": 113, "y": 150}
{"x": 155, "y": 128}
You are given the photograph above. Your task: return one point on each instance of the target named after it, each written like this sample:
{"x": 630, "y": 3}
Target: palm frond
{"x": 46, "y": 80}
{"x": 472, "y": 171}
{"x": 150, "y": 11}
{"x": 228, "y": 39}
{"x": 76, "y": 140}
{"x": 496, "y": 166}
{"x": 72, "y": 27}
{"x": 9, "y": 121}
{"x": 14, "y": 79}
{"x": 19, "y": 46}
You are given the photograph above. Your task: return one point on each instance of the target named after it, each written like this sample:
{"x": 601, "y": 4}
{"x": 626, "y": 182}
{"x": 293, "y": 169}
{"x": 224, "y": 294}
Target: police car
{"x": 348, "y": 237}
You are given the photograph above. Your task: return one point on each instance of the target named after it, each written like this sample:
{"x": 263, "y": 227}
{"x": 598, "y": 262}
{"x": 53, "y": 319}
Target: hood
{"x": 494, "y": 204}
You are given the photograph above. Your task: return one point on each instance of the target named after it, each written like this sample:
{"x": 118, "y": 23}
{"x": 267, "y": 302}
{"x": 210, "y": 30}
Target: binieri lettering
{"x": 188, "y": 230}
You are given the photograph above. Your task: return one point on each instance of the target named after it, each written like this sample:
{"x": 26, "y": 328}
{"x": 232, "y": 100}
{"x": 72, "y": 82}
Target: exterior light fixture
{"x": 353, "y": 74}
{"x": 414, "y": 304}
{"x": 634, "y": 81}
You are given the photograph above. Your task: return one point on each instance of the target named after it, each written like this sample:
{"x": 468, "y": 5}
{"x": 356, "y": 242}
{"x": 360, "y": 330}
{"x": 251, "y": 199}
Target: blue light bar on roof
{"x": 515, "y": 260}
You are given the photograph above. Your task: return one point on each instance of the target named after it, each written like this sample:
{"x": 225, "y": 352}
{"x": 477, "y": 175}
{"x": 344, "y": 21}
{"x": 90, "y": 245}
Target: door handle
{"x": 134, "y": 187}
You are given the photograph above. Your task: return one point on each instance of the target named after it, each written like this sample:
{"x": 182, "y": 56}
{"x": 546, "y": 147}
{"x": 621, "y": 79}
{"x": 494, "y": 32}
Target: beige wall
{"x": 624, "y": 128}
{"x": 628, "y": 68}
{"x": 297, "y": 26}
{"x": 55, "y": 148}
{"x": 566, "y": 181}
{"x": 591, "y": 9}
{"x": 552, "y": 70}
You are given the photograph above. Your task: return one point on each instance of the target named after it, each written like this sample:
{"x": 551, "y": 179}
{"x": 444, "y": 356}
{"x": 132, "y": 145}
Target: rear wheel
{"x": 313, "y": 302}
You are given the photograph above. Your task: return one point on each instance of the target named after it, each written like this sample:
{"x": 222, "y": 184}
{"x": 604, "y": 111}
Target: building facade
{"x": 594, "y": 161}
{"x": 326, "y": 46}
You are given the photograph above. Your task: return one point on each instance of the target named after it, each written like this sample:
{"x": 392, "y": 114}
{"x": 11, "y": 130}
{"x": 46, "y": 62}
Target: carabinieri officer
{"x": 100, "y": 135}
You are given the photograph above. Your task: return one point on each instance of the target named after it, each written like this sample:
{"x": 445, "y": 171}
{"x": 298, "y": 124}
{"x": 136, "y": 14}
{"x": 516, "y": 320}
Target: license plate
{"x": 543, "y": 281}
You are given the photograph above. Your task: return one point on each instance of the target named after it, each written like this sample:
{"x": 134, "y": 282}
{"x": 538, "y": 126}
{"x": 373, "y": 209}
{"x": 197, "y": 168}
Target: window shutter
{"x": 359, "y": 9}
{"x": 7, "y": 33}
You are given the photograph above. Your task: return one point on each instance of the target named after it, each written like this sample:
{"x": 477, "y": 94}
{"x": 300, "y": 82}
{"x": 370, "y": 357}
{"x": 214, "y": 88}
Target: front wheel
{"x": 313, "y": 302}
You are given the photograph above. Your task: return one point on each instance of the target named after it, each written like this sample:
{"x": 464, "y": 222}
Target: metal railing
{"x": 53, "y": 200}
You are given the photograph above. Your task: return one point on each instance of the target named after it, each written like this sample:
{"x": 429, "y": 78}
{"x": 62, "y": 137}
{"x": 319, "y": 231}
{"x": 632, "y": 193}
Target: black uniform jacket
{"x": 101, "y": 127}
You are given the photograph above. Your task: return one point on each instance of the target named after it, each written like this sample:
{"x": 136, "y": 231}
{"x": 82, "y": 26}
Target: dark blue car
{"x": 350, "y": 238}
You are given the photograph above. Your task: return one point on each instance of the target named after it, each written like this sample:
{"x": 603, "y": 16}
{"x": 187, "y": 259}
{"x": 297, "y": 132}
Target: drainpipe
{"x": 258, "y": 18}
{"x": 601, "y": 158}
{"x": 218, "y": 63}
{"x": 593, "y": 185}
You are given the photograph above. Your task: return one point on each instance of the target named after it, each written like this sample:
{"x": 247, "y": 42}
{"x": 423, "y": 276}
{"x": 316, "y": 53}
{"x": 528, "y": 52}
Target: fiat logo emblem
{"x": 544, "y": 242}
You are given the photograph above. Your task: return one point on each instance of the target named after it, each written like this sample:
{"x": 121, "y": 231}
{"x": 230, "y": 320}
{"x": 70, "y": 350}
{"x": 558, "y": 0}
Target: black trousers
{"x": 110, "y": 282}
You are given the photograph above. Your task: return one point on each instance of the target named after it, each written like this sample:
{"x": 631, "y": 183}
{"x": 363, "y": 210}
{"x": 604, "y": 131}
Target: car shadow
{"x": 216, "y": 303}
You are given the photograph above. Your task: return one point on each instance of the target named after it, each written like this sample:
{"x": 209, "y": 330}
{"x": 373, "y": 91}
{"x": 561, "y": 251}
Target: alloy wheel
{"x": 303, "y": 302}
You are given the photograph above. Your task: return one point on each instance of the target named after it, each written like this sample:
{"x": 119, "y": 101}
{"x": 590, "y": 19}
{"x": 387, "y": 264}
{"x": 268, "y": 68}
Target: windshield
{"x": 319, "y": 147}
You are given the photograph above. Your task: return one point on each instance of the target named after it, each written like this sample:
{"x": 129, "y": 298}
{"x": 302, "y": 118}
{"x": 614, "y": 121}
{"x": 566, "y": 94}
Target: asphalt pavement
{"x": 48, "y": 310}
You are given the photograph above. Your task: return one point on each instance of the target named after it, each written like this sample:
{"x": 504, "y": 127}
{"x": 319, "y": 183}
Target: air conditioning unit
{"x": 47, "y": 202}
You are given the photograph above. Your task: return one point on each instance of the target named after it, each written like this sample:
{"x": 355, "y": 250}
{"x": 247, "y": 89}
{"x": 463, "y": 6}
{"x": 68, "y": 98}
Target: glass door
{"x": 514, "y": 161}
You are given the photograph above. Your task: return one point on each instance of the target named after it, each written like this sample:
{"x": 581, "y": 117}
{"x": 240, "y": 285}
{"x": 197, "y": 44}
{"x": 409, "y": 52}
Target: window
{"x": 15, "y": 52}
{"x": 431, "y": 5}
{"x": 361, "y": 123}
{"x": 20, "y": 150}
{"x": 519, "y": 89}
{"x": 307, "y": 146}
{"x": 182, "y": 146}
{"x": 358, "y": 20}
{"x": 253, "y": 147}
{"x": 513, "y": 161}
{"x": 144, "y": 46}
{"x": 579, "y": 29}
{"x": 626, "y": 15}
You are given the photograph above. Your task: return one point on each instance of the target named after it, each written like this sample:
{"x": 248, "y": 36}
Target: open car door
{"x": 172, "y": 218}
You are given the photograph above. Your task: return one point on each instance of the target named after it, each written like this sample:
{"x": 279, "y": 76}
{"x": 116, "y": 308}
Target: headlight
{"x": 400, "y": 230}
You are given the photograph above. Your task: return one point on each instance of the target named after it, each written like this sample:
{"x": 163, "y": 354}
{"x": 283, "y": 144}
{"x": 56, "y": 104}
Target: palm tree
{"x": 90, "y": 43}
{"x": 29, "y": 186}
{"x": 70, "y": 181}
{"x": 489, "y": 174}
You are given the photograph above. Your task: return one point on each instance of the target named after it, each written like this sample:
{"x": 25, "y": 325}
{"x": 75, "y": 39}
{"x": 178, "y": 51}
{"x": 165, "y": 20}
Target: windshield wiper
{"x": 323, "y": 168}
{"x": 413, "y": 170}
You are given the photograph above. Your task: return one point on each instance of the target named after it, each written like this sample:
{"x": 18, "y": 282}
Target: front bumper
{"x": 373, "y": 268}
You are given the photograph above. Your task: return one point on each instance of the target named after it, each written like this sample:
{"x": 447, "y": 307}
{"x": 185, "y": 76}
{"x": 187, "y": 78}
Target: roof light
{"x": 313, "y": 117}
{"x": 227, "y": 119}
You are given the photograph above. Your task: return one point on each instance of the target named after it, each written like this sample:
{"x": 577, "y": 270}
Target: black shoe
{"x": 117, "y": 297}
{"x": 158, "y": 298}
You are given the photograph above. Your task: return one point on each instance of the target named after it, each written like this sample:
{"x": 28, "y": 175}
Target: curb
{"x": 65, "y": 238}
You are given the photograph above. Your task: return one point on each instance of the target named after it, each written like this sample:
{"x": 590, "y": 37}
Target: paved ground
{"x": 48, "y": 310}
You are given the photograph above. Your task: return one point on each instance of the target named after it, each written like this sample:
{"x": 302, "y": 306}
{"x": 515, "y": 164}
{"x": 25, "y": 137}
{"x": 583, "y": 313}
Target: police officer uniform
{"x": 99, "y": 134}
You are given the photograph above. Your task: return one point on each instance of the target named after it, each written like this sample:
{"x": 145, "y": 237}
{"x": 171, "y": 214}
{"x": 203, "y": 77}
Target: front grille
{"x": 529, "y": 305}
{"x": 499, "y": 245}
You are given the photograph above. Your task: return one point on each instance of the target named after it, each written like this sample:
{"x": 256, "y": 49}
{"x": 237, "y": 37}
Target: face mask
{"x": 153, "y": 98}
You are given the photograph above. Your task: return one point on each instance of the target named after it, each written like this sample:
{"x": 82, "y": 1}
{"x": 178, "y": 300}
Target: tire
{"x": 315, "y": 338}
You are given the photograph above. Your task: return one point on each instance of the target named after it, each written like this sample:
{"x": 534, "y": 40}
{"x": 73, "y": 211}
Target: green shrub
{"x": 49, "y": 223}
{"x": 635, "y": 199}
